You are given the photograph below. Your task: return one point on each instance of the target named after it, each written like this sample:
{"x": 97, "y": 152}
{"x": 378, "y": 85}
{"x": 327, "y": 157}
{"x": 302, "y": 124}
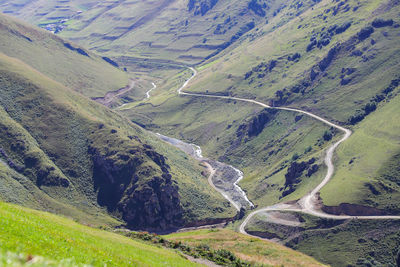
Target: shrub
{"x": 327, "y": 136}
{"x": 356, "y": 118}
{"x": 378, "y": 23}
{"x": 314, "y": 168}
{"x": 364, "y": 33}
{"x": 343, "y": 27}
{"x": 370, "y": 107}
{"x": 256, "y": 8}
{"x": 393, "y": 84}
{"x": 294, "y": 57}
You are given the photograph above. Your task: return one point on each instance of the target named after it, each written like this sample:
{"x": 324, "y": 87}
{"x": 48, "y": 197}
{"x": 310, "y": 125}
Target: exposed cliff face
{"x": 145, "y": 204}
{"x": 155, "y": 205}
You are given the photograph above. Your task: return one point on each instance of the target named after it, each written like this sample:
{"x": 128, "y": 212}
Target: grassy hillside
{"x": 81, "y": 157}
{"x": 368, "y": 162}
{"x": 61, "y": 60}
{"x": 182, "y": 30}
{"x": 63, "y": 242}
{"x": 256, "y": 251}
{"x": 325, "y": 61}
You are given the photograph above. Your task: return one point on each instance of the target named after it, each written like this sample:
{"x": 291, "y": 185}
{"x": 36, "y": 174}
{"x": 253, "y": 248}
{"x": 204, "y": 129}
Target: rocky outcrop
{"x": 327, "y": 60}
{"x": 77, "y": 49}
{"x": 154, "y": 205}
{"x": 295, "y": 171}
{"x": 261, "y": 70}
{"x": 256, "y": 124}
{"x": 110, "y": 61}
{"x": 201, "y": 7}
{"x": 146, "y": 198}
{"x": 258, "y": 7}
{"x": 323, "y": 38}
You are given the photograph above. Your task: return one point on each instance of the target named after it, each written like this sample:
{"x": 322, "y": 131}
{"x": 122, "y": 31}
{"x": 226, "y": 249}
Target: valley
{"x": 215, "y": 124}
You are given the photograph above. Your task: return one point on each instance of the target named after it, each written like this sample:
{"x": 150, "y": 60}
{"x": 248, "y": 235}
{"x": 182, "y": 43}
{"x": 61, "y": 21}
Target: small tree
{"x": 327, "y": 136}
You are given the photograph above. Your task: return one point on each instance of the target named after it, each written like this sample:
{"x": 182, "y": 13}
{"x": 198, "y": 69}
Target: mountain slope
{"x": 338, "y": 60}
{"x": 174, "y": 30}
{"x": 343, "y": 80}
{"x": 369, "y": 163}
{"x": 61, "y": 60}
{"x": 90, "y": 159}
{"x": 64, "y": 242}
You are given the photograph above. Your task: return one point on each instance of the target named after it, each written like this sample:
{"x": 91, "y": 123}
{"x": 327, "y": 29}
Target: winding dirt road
{"x": 307, "y": 204}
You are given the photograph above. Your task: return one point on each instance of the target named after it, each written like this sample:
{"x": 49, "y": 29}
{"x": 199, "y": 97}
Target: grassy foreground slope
{"x": 254, "y": 250}
{"x": 63, "y": 241}
{"x": 84, "y": 156}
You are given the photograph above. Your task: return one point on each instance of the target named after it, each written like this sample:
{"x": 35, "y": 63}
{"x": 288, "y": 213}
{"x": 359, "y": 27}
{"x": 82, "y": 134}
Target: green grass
{"x": 19, "y": 259}
{"x": 355, "y": 243}
{"x": 373, "y": 145}
{"x": 42, "y": 234}
{"x": 90, "y": 76}
{"x": 247, "y": 248}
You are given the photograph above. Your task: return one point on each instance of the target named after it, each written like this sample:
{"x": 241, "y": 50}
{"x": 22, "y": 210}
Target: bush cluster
{"x": 378, "y": 23}
{"x": 371, "y": 106}
{"x": 323, "y": 38}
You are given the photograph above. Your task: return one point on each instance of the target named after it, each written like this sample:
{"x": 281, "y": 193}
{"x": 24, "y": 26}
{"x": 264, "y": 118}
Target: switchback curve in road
{"x": 307, "y": 203}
